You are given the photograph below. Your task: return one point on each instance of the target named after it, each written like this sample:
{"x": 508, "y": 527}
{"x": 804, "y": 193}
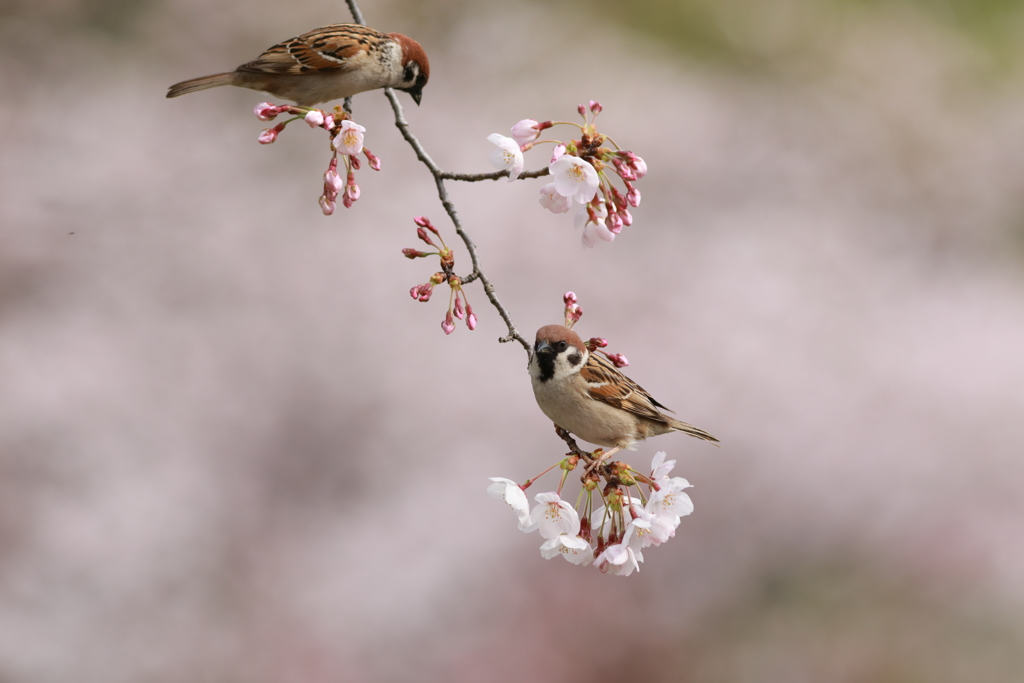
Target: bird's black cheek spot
{"x": 575, "y": 358}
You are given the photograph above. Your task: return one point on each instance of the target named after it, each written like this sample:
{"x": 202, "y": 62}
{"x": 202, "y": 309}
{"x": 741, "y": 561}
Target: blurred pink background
{"x": 233, "y": 449}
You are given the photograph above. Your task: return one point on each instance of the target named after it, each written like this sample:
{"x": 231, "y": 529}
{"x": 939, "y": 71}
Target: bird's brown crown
{"x": 413, "y": 52}
{"x": 556, "y": 333}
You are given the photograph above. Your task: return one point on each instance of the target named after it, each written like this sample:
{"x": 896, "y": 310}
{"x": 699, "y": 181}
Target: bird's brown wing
{"x": 606, "y": 384}
{"x": 323, "y": 50}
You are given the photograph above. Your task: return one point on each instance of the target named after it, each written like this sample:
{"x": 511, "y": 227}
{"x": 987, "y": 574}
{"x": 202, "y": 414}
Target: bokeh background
{"x": 233, "y": 449}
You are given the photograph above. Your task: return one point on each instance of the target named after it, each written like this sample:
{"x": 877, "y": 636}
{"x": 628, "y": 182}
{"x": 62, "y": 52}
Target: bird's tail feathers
{"x": 194, "y": 84}
{"x": 697, "y": 432}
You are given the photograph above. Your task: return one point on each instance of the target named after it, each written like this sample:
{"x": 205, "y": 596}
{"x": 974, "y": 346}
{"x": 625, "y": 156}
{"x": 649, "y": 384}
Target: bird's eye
{"x": 410, "y": 73}
{"x": 561, "y": 346}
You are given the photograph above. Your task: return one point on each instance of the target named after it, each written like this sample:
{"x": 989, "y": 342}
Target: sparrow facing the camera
{"x": 326, "y": 64}
{"x": 583, "y": 393}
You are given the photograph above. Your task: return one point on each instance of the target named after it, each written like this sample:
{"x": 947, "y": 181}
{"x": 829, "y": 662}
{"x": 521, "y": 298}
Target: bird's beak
{"x": 542, "y": 347}
{"x": 417, "y": 95}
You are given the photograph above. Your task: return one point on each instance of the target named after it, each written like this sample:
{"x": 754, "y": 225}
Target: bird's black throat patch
{"x": 546, "y": 363}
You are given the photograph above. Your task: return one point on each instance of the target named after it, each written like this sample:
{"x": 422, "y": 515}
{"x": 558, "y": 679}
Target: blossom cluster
{"x": 346, "y": 140}
{"x": 458, "y": 304}
{"x": 581, "y": 172}
{"x": 612, "y": 535}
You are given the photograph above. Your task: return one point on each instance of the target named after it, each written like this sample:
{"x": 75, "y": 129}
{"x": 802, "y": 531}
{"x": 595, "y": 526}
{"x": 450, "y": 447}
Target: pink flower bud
{"x": 354, "y": 161}
{"x": 270, "y": 134}
{"x": 424, "y": 222}
{"x": 569, "y": 298}
{"x": 315, "y": 118}
{"x": 598, "y": 342}
{"x": 577, "y": 313}
{"x": 422, "y": 234}
{"x": 333, "y": 182}
{"x": 618, "y": 360}
{"x": 347, "y": 201}
{"x": 459, "y": 312}
{"x": 422, "y": 292}
{"x": 352, "y": 191}
{"x": 582, "y": 110}
{"x": 470, "y": 317}
{"x": 327, "y": 205}
{"x": 557, "y": 152}
{"x": 265, "y": 111}
{"x": 627, "y": 217}
{"x": 411, "y": 253}
{"x": 329, "y": 122}
{"x": 613, "y": 223}
{"x": 374, "y": 161}
{"x": 525, "y": 131}
{"x": 633, "y": 197}
{"x": 596, "y": 107}
{"x": 448, "y": 325}
{"x": 639, "y": 166}
{"x": 624, "y": 171}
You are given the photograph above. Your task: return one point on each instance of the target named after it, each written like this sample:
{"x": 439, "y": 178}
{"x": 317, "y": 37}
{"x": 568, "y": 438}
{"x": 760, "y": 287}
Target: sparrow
{"x": 585, "y": 394}
{"x": 327, "y": 64}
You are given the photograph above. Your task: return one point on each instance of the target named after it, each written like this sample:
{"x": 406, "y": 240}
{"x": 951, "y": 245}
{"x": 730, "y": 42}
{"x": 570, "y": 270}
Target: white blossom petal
{"x": 350, "y": 139}
{"x": 510, "y": 492}
{"x": 554, "y": 202}
{"x": 508, "y": 155}
{"x": 574, "y": 177}
{"x": 553, "y": 516}
{"x": 573, "y": 548}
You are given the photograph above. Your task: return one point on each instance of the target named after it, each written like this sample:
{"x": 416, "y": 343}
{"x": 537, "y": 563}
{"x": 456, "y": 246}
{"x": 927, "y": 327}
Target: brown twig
{"x": 449, "y": 207}
{"x": 439, "y": 178}
{"x": 573, "y": 446}
{"x": 357, "y": 15}
{"x": 496, "y": 175}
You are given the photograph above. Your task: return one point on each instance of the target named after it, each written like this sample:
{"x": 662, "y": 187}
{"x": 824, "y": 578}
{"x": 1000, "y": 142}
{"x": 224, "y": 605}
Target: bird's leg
{"x": 600, "y": 459}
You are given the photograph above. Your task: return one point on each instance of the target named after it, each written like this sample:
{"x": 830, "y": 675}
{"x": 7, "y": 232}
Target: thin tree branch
{"x": 449, "y": 207}
{"x": 571, "y": 442}
{"x": 357, "y": 15}
{"x": 496, "y": 175}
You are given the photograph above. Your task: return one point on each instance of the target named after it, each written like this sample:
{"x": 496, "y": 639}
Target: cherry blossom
{"x": 574, "y": 177}
{"x": 573, "y": 548}
{"x": 622, "y": 558}
{"x": 553, "y": 516}
{"x": 510, "y": 492}
{"x": 508, "y": 155}
{"x": 671, "y": 501}
{"x": 592, "y": 222}
{"x": 554, "y": 202}
{"x": 350, "y": 139}
{"x": 660, "y": 467}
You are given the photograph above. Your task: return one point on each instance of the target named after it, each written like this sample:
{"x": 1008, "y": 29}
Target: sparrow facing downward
{"x": 583, "y": 393}
{"x": 326, "y": 64}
